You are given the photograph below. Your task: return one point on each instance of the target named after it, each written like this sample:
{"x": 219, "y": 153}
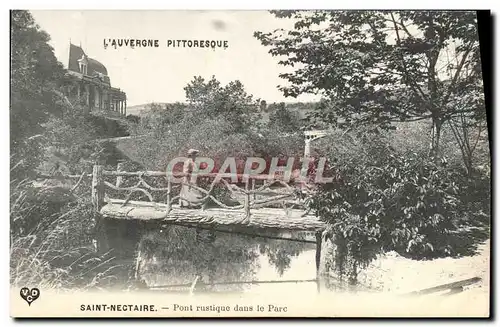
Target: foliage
{"x": 159, "y": 117}
{"x": 68, "y": 137}
{"x": 51, "y": 242}
{"x": 51, "y": 221}
{"x": 376, "y": 67}
{"x": 274, "y": 143}
{"x": 379, "y": 70}
{"x": 472, "y": 138}
{"x": 398, "y": 200}
{"x": 35, "y": 78}
{"x": 209, "y": 99}
{"x": 134, "y": 119}
{"x": 284, "y": 120}
{"x": 220, "y": 121}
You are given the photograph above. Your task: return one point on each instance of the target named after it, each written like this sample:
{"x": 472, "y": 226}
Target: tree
{"x": 377, "y": 67}
{"x": 284, "y": 120}
{"x": 159, "y": 118}
{"x": 35, "y": 78}
{"x": 217, "y": 120}
{"x": 263, "y": 105}
{"x": 469, "y": 128}
{"x": 209, "y": 99}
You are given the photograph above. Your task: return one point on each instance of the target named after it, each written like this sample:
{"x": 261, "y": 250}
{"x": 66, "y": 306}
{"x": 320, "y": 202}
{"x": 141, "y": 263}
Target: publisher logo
{"x": 30, "y": 295}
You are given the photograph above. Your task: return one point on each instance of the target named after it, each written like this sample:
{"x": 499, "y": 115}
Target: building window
{"x": 82, "y": 62}
{"x": 83, "y": 68}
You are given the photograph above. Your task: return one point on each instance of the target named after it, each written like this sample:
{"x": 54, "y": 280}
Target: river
{"x": 171, "y": 259}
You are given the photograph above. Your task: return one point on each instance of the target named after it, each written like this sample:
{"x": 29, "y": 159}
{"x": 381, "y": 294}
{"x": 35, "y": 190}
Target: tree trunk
{"x": 462, "y": 138}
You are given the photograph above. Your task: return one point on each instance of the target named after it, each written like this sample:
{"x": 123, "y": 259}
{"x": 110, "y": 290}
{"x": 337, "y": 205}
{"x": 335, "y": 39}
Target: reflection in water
{"x": 173, "y": 256}
{"x": 302, "y": 267}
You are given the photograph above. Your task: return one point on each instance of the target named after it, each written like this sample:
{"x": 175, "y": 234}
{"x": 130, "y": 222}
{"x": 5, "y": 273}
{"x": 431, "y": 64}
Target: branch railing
{"x": 251, "y": 191}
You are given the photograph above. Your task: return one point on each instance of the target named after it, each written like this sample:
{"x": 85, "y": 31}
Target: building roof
{"x": 94, "y": 67}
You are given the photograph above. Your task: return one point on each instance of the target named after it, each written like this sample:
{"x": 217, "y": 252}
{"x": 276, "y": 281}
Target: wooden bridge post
{"x": 97, "y": 202}
{"x": 169, "y": 192}
{"x": 101, "y": 237}
{"x": 247, "y": 200}
{"x": 253, "y": 189}
{"x": 97, "y": 187}
{"x": 318, "y": 260}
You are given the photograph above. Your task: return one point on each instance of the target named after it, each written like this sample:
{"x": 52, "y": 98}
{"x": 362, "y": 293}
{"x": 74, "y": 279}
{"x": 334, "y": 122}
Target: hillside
{"x": 141, "y": 109}
{"x": 301, "y": 107}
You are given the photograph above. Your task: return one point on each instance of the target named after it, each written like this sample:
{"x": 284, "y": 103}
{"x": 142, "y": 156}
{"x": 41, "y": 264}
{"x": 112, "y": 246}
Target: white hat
{"x": 192, "y": 151}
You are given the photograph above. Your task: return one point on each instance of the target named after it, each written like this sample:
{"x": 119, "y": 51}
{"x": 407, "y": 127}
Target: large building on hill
{"x": 88, "y": 79}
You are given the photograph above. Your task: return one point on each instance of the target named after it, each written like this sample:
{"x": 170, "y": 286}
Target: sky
{"x": 160, "y": 74}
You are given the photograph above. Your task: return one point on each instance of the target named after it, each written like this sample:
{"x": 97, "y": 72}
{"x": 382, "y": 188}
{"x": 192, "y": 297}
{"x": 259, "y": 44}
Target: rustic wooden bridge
{"x": 262, "y": 203}
{"x": 128, "y": 203}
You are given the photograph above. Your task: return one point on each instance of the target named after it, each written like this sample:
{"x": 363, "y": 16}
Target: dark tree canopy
{"x": 35, "y": 78}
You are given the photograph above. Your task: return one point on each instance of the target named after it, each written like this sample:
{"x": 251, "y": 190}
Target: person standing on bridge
{"x": 190, "y": 196}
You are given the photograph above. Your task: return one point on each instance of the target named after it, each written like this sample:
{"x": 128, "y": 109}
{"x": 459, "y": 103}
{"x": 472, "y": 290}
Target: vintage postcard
{"x": 249, "y": 163}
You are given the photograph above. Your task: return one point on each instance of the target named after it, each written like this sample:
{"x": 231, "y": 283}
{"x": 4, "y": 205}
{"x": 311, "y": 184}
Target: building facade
{"x": 87, "y": 79}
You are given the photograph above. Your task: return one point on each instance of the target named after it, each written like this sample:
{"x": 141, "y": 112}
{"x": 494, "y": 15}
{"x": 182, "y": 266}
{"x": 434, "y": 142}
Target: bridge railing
{"x": 250, "y": 192}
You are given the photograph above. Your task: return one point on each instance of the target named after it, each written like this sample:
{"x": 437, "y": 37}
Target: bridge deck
{"x": 265, "y": 218}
